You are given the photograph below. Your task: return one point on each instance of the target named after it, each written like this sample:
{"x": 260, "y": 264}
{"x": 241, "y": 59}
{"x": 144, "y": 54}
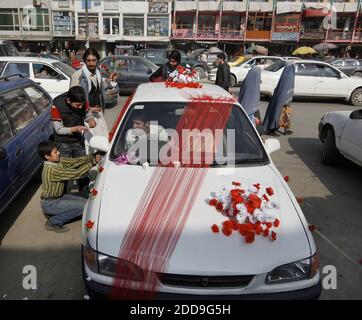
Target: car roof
{"x": 151, "y": 92}
{"x": 28, "y": 59}
{"x": 13, "y": 82}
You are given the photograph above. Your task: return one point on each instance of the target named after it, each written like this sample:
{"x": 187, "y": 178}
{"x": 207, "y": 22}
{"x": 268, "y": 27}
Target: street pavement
{"x": 332, "y": 202}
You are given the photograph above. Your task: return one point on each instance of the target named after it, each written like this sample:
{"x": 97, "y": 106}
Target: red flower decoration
{"x": 215, "y": 228}
{"x": 94, "y": 192}
{"x": 269, "y": 191}
{"x": 257, "y": 185}
{"x": 269, "y": 225}
{"x": 266, "y": 233}
{"x": 213, "y": 202}
{"x": 219, "y": 207}
{"x": 89, "y": 224}
{"x": 273, "y": 236}
{"x": 311, "y": 227}
{"x": 286, "y": 178}
{"x": 276, "y": 223}
{"x": 250, "y": 237}
{"x": 100, "y": 169}
{"x": 227, "y": 231}
{"x": 265, "y": 197}
{"x": 300, "y": 200}
{"x": 237, "y": 184}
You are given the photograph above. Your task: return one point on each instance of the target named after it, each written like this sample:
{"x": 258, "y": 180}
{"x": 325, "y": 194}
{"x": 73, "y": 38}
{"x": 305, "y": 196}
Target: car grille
{"x": 181, "y": 280}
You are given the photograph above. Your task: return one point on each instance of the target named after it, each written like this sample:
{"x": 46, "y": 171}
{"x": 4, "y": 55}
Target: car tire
{"x": 358, "y": 74}
{"x": 330, "y": 152}
{"x": 200, "y": 72}
{"x": 356, "y": 97}
{"x": 233, "y": 81}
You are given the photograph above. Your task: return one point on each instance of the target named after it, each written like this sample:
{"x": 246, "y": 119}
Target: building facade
{"x": 183, "y": 23}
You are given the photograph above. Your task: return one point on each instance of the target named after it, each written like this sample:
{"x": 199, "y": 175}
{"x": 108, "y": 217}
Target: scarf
{"x": 90, "y": 76}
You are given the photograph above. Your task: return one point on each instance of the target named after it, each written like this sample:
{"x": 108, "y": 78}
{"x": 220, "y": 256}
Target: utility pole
{"x": 86, "y": 25}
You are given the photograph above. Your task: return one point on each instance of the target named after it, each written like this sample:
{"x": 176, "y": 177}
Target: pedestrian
{"x": 90, "y": 79}
{"x": 163, "y": 72}
{"x": 286, "y": 119}
{"x": 60, "y": 208}
{"x": 223, "y": 77}
{"x": 69, "y": 113}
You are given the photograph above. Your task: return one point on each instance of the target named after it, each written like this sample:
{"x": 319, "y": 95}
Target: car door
{"x": 305, "y": 80}
{"x": 16, "y": 68}
{"x": 351, "y": 142}
{"x": 28, "y": 131}
{"x": 330, "y": 82}
{"x": 11, "y": 160}
{"x": 51, "y": 80}
{"x": 349, "y": 66}
{"x": 138, "y": 72}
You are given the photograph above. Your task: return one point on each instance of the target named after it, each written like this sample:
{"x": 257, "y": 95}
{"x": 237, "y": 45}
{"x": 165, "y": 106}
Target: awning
{"x": 285, "y": 7}
{"x": 315, "y": 13}
{"x": 350, "y": 7}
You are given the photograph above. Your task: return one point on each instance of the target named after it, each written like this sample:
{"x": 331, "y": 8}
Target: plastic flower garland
{"x": 183, "y": 78}
{"x": 248, "y": 212}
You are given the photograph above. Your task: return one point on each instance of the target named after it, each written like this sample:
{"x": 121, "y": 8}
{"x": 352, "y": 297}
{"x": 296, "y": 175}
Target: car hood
{"x": 199, "y": 250}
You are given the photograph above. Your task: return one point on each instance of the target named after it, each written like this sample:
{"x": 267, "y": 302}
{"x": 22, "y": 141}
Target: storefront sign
{"x": 157, "y": 26}
{"x": 285, "y": 36}
{"x": 158, "y": 7}
{"x": 63, "y": 24}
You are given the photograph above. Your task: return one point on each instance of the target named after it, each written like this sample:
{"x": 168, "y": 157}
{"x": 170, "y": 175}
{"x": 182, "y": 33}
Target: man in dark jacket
{"x": 223, "y": 78}
{"x": 162, "y": 73}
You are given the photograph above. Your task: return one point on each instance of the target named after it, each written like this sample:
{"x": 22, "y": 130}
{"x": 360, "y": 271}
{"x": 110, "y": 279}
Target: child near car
{"x": 58, "y": 207}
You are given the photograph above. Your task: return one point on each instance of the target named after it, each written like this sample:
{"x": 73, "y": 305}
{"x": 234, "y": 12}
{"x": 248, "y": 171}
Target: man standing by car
{"x": 69, "y": 112}
{"x": 162, "y": 73}
{"x": 223, "y": 77}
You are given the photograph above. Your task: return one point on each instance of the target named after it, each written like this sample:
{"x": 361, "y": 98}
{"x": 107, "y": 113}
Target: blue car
{"x": 24, "y": 123}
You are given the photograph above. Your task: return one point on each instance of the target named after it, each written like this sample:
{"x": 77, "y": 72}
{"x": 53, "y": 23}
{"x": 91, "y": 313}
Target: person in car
{"x": 60, "y": 208}
{"x": 163, "y": 72}
{"x": 143, "y": 127}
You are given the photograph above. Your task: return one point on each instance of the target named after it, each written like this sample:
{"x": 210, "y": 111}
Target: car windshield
{"x": 152, "y": 125}
{"x": 67, "y": 70}
{"x": 276, "y": 66}
{"x": 235, "y": 59}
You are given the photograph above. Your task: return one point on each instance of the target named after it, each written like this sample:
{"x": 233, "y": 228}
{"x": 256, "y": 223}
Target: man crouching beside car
{"x": 58, "y": 207}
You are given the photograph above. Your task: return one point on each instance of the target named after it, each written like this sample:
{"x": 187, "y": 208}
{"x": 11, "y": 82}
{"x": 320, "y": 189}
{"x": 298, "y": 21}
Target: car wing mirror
{"x": 272, "y": 145}
{"x": 99, "y": 143}
{"x": 3, "y": 154}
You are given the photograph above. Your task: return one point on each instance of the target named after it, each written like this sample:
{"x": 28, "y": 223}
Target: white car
{"x": 341, "y": 134}
{"x": 314, "y": 79}
{"x": 53, "y": 75}
{"x": 238, "y": 74}
{"x": 202, "y": 263}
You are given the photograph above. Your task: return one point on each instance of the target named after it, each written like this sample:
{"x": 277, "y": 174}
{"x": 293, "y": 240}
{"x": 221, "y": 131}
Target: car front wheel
{"x": 358, "y": 74}
{"x": 356, "y": 97}
{"x": 329, "y": 151}
{"x": 200, "y": 72}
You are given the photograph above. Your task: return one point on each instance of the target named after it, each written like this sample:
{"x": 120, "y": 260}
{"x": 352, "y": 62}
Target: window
{"x": 92, "y": 23}
{"x": 157, "y": 26}
{"x": 276, "y": 66}
{"x": 38, "y": 98}
{"x": 18, "y": 108}
{"x": 9, "y": 20}
{"x": 111, "y": 25}
{"x": 133, "y": 25}
{"x": 207, "y": 22}
{"x": 43, "y": 71}
{"x": 5, "y": 129}
{"x": 338, "y": 63}
{"x": 113, "y": 65}
{"x": 305, "y": 69}
{"x": 326, "y": 71}
{"x": 35, "y": 20}
{"x": 66, "y": 69}
{"x": 259, "y": 21}
{"x": 350, "y": 63}
{"x": 136, "y": 65}
{"x": 155, "y": 54}
{"x": 17, "y": 68}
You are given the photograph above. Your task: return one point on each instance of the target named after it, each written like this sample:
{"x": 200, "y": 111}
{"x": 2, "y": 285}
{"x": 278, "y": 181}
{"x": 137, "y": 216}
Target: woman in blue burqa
{"x": 283, "y": 95}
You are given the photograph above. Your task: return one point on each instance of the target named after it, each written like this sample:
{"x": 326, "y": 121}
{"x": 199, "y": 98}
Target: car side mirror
{"x": 99, "y": 143}
{"x": 356, "y": 115}
{"x": 272, "y": 145}
{"x": 3, "y": 154}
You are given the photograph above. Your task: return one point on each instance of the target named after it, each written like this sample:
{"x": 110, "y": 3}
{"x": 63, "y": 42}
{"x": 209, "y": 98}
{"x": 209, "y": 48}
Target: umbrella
{"x": 283, "y": 94}
{"x": 249, "y": 95}
{"x": 257, "y": 49}
{"x": 303, "y": 51}
{"x": 324, "y": 46}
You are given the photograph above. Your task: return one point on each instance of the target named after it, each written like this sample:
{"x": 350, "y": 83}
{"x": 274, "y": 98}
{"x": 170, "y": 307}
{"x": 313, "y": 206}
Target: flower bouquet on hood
{"x": 183, "y": 78}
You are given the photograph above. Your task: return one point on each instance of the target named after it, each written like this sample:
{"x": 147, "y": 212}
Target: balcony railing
{"x": 183, "y": 34}
{"x": 357, "y": 36}
{"x": 313, "y": 34}
{"x": 339, "y": 35}
{"x": 207, "y": 34}
{"x": 232, "y": 34}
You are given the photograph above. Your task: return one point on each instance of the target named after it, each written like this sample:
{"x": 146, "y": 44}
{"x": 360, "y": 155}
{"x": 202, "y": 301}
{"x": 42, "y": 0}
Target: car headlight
{"x": 114, "y": 267}
{"x": 295, "y": 271}
{"x": 111, "y": 266}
